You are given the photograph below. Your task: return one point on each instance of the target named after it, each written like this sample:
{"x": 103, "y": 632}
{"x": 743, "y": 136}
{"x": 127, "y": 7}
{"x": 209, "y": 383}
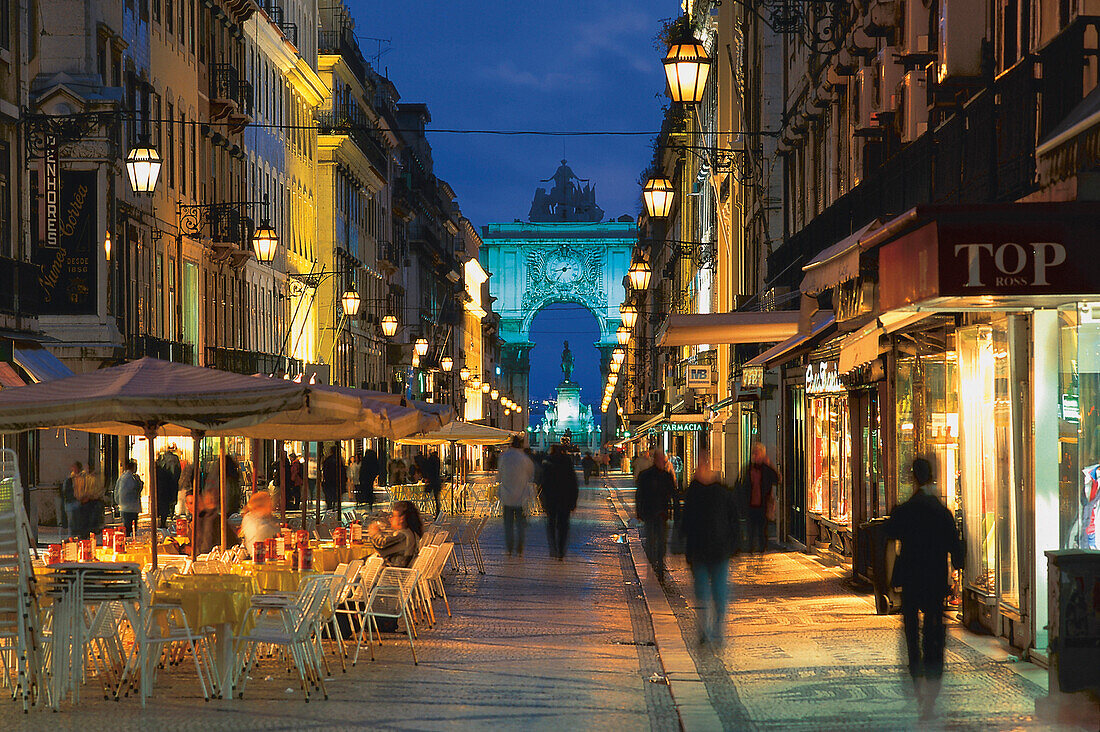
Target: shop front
{"x": 996, "y": 378}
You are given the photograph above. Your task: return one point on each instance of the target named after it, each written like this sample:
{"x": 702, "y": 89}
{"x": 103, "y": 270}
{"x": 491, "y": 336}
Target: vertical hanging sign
{"x": 66, "y": 250}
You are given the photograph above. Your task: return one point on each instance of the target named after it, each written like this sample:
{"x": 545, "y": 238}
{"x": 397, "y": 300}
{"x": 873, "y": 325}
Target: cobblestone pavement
{"x": 804, "y": 651}
{"x": 533, "y": 644}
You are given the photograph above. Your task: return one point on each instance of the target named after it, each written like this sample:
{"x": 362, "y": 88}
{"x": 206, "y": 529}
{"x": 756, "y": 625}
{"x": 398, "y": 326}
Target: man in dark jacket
{"x": 652, "y": 505}
{"x": 712, "y": 530}
{"x": 369, "y": 469}
{"x": 756, "y": 489}
{"x": 208, "y": 526}
{"x": 433, "y": 480}
{"x": 334, "y": 476}
{"x": 167, "y": 492}
{"x": 559, "y": 498}
{"x": 928, "y": 535}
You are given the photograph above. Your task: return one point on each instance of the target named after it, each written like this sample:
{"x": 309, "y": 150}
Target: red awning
{"x": 8, "y": 377}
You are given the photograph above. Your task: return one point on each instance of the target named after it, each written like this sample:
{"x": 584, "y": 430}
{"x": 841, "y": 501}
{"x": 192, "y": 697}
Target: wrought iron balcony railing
{"x": 241, "y": 361}
{"x": 146, "y": 345}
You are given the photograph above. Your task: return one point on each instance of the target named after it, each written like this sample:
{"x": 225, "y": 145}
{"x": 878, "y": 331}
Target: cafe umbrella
{"x": 150, "y": 397}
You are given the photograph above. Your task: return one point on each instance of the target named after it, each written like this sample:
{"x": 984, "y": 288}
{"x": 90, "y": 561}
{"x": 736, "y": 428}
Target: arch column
{"x": 515, "y": 365}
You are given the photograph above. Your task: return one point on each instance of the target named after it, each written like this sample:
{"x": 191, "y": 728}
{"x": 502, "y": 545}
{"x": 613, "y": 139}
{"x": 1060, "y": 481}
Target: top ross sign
{"x": 1017, "y": 250}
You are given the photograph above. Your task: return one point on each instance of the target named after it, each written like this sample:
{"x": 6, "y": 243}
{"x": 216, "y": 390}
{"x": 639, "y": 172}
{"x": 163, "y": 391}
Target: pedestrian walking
{"x": 91, "y": 500}
{"x": 515, "y": 473}
{"x": 128, "y": 489}
{"x": 928, "y": 535}
{"x": 369, "y": 469}
{"x": 642, "y": 463}
{"x": 354, "y": 466}
{"x": 712, "y": 534}
{"x": 589, "y": 467}
{"x": 167, "y": 490}
{"x": 756, "y": 491}
{"x": 69, "y": 489}
{"x": 652, "y": 505}
{"x": 294, "y": 482}
{"x": 334, "y": 477}
{"x": 430, "y": 474}
{"x": 559, "y": 498}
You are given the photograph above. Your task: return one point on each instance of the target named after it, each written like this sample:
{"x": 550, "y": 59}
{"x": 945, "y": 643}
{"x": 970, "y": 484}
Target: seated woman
{"x": 399, "y": 545}
{"x": 258, "y": 523}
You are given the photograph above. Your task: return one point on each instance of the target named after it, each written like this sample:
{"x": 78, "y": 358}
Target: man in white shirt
{"x": 515, "y": 471}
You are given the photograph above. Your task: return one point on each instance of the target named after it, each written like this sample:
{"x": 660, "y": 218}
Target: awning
{"x": 728, "y": 328}
{"x": 786, "y": 350}
{"x": 839, "y": 263}
{"x": 8, "y": 377}
{"x": 859, "y": 348}
{"x": 894, "y": 321}
{"x": 40, "y": 364}
{"x": 675, "y": 423}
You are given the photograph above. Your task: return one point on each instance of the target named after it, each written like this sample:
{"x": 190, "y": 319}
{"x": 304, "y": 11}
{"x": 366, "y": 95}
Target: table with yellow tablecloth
{"x": 139, "y": 554}
{"x": 326, "y": 557}
{"x": 208, "y": 599}
{"x": 272, "y": 577}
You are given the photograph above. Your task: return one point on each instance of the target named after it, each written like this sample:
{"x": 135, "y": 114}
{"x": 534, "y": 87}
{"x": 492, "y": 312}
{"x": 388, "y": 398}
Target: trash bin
{"x": 877, "y": 553}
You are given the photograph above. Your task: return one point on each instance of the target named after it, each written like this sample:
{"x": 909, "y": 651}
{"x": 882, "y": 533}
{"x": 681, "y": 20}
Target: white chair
{"x": 422, "y": 593}
{"x": 295, "y": 628}
{"x": 435, "y": 573}
{"x": 390, "y": 598}
{"x": 358, "y": 595}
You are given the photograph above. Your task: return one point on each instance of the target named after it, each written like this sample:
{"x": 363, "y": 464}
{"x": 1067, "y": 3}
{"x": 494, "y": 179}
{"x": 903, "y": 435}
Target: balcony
{"x": 146, "y": 345}
{"x": 18, "y": 287}
{"x": 352, "y": 121}
{"x": 241, "y": 361}
{"x": 278, "y": 18}
{"x": 342, "y": 43}
{"x": 230, "y": 97}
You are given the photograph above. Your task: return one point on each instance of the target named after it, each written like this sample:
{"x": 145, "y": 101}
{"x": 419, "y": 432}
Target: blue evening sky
{"x": 564, "y": 65}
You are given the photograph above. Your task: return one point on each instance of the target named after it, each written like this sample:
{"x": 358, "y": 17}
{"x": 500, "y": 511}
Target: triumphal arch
{"x": 564, "y": 253}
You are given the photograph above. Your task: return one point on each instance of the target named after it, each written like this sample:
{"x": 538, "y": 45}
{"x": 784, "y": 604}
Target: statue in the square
{"x": 566, "y": 362}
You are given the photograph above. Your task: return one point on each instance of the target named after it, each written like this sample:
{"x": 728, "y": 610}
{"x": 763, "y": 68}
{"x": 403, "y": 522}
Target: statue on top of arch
{"x": 567, "y": 201}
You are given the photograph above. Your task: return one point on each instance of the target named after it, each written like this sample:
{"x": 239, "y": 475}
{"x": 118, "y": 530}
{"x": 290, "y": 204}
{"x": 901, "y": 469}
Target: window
{"x": 5, "y": 24}
{"x": 6, "y": 248}
{"x": 183, "y": 21}
{"x": 158, "y": 125}
{"x": 158, "y": 288}
{"x": 156, "y": 11}
{"x": 1079, "y": 433}
{"x": 191, "y": 26}
{"x": 143, "y": 10}
{"x": 170, "y": 148}
{"x": 101, "y": 59}
{"x": 169, "y": 16}
{"x": 194, "y": 164}
{"x": 183, "y": 154}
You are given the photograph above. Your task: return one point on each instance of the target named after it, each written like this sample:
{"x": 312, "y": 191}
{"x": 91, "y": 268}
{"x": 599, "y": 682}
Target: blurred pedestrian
{"x": 334, "y": 477}
{"x": 430, "y": 474}
{"x": 642, "y": 463}
{"x": 589, "y": 466}
{"x": 559, "y": 498}
{"x": 369, "y": 469}
{"x": 712, "y": 534}
{"x": 515, "y": 474}
{"x": 354, "y": 465}
{"x": 128, "y": 489}
{"x": 928, "y": 535}
{"x": 91, "y": 499}
{"x": 167, "y": 491}
{"x": 294, "y": 482}
{"x": 69, "y": 500}
{"x": 756, "y": 491}
{"x": 652, "y": 505}
{"x": 258, "y": 522}
{"x": 209, "y": 520}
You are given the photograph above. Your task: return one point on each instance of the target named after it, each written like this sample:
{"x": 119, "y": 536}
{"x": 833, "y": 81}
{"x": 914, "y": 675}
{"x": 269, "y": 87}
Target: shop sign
{"x": 1018, "y": 249}
{"x": 752, "y": 377}
{"x": 852, "y": 299}
{"x": 823, "y": 378}
{"x": 683, "y": 427}
{"x": 66, "y": 252}
{"x": 699, "y": 377}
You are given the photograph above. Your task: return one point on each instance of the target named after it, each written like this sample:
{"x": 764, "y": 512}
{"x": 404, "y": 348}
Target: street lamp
{"x": 446, "y": 363}
{"x": 687, "y": 67}
{"x": 389, "y": 325}
{"x": 107, "y": 244}
{"x": 615, "y": 366}
{"x": 640, "y": 273}
{"x": 618, "y": 355}
{"x": 519, "y": 409}
{"x": 421, "y": 346}
{"x": 494, "y": 395}
{"x": 464, "y": 373}
{"x": 143, "y": 165}
{"x": 264, "y": 242}
{"x": 350, "y": 302}
{"x": 623, "y": 335}
{"x": 657, "y": 195}
{"x": 629, "y": 314}
{"x": 485, "y": 387}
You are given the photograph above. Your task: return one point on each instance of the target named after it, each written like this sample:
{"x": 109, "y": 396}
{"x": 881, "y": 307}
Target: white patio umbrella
{"x": 464, "y": 433}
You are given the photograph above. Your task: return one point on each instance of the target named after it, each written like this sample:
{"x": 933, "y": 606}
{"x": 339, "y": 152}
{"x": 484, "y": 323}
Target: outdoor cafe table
{"x": 139, "y": 554}
{"x": 218, "y": 601}
{"x": 270, "y": 577}
{"x": 327, "y": 556}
